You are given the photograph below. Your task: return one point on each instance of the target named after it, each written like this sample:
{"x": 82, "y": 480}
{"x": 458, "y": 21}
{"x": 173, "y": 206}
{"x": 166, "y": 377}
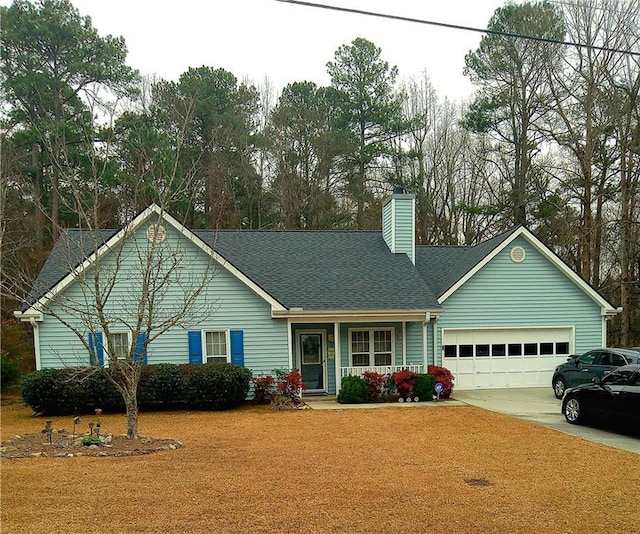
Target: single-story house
{"x": 499, "y": 314}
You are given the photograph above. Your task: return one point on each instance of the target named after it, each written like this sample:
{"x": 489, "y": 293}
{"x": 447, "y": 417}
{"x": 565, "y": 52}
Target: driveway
{"x": 540, "y": 406}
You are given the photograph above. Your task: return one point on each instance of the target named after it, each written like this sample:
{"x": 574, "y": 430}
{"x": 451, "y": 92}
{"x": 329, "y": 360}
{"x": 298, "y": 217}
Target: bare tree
{"x": 128, "y": 287}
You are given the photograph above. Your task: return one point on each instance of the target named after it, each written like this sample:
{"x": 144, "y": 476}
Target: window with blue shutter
{"x": 139, "y": 349}
{"x": 96, "y": 347}
{"x": 237, "y": 347}
{"x": 195, "y": 346}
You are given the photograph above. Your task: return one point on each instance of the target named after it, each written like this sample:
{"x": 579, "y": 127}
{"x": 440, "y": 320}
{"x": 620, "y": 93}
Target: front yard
{"x": 452, "y": 469}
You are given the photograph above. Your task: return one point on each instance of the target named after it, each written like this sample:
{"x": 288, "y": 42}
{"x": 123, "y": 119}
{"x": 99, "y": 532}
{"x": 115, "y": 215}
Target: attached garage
{"x": 505, "y": 357}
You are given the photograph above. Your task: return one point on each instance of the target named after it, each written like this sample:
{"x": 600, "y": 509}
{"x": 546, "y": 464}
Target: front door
{"x": 311, "y": 346}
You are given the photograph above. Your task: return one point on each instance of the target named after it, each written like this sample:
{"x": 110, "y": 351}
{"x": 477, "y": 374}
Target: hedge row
{"x": 216, "y": 386}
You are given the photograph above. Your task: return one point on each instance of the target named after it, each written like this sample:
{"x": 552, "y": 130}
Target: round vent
{"x": 156, "y": 233}
{"x": 517, "y": 254}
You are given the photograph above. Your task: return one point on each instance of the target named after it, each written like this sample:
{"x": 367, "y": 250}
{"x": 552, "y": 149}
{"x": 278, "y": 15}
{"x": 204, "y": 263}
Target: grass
{"x": 452, "y": 469}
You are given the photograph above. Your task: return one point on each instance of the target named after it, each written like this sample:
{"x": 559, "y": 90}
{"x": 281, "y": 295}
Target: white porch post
{"x": 290, "y": 343}
{"x": 435, "y": 340}
{"x": 404, "y": 343}
{"x": 336, "y": 348}
{"x": 425, "y": 355}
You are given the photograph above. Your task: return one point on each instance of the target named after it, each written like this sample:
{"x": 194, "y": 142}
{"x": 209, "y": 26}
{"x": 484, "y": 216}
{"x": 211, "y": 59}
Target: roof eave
{"x": 422, "y": 315}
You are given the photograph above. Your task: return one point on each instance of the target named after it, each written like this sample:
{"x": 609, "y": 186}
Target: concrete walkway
{"x": 330, "y": 403}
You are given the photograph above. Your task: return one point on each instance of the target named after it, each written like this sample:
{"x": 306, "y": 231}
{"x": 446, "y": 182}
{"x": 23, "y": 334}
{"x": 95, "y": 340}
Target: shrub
{"x": 52, "y": 391}
{"x": 445, "y": 377}
{"x": 9, "y": 373}
{"x": 405, "y": 381}
{"x": 290, "y": 384}
{"x": 98, "y": 391}
{"x": 218, "y": 386}
{"x": 354, "y": 390}
{"x": 264, "y": 389}
{"x": 376, "y": 383}
{"x": 424, "y": 387}
{"x": 162, "y": 386}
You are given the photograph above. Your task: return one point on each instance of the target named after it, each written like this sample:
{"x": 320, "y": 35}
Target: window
{"x": 515, "y": 349}
{"x": 588, "y": 357}
{"x": 546, "y": 349}
{"x": 482, "y": 350}
{"x": 530, "y": 349}
{"x": 562, "y": 348}
{"x": 382, "y": 347}
{"x": 120, "y": 343}
{"x": 498, "y": 350}
{"x": 372, "y": 347}
{"x": 216, "y": 347}
{"x": 450, "y": 351}
{"x": 466, "y": 351}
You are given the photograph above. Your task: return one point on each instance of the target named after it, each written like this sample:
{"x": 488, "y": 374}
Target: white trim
{"x": 338, "y": 355}
{"x": 105, "y": 345}
{"x": 606, "y": 307}
{"x": 131, "y": 227}
{"x": 203, "y": 340}
{"x": 393, "y": 225}
{"x": 404, "y": 343}
{"x": 289, "y": 342}
{"x": 36, "y": 343}
{"x": 413, "y": 231}
{"x": 324, "y": 316}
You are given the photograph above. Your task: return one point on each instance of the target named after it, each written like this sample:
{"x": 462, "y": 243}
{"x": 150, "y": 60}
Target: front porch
{"x": 381, "y": 369}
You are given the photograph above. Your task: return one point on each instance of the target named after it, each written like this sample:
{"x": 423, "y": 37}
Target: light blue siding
{"x": 415, "y": 352}
{"x": 529, "y": 294}
{"x": 225, "y": 304}
{"x": 398, "y": 224}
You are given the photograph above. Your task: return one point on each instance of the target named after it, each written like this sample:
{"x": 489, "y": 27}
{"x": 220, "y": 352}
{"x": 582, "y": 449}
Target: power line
{"x": 458, "y": 27}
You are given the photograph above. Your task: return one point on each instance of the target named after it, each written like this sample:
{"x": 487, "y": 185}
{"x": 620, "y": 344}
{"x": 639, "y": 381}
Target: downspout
{"x": 36, "y": 342}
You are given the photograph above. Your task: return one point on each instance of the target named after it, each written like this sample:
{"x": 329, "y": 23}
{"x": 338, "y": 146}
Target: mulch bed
{"x": 68, "y": 445}
{"x": 453, "y": 469}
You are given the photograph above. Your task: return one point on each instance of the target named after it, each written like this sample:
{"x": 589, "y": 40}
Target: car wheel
{"x": 573, "y": 411}
{"x": 558, "y": 387}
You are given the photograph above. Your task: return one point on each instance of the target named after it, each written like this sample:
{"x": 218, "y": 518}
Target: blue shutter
{"x": 195, "y": 346}
{"x": 139, "y": 345}
{"x": 237, "y": 347}
{"x": 96, "y": 347}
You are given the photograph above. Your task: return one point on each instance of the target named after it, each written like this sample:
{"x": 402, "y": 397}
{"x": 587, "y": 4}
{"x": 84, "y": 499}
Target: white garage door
{"x": 505, "y": 357}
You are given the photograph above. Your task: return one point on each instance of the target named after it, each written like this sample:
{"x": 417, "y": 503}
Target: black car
{"x": 594, "y": 363}
{"x": 614, "y": 399}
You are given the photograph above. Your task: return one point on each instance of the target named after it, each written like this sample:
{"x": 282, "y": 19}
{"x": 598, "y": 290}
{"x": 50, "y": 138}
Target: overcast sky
{"x": 287, "y": 42}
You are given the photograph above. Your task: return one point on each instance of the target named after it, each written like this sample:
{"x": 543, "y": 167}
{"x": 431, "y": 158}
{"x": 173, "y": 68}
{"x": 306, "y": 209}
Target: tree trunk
{"x": 131, "y": 405}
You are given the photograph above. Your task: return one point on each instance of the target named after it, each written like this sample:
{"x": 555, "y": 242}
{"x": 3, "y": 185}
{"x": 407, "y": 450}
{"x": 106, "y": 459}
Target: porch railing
{"x": 382, "y": 369}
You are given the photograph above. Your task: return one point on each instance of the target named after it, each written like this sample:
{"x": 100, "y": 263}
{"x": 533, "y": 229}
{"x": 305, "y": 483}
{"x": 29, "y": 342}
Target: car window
{"x": 617, "y": 378}
{"x": 605, "y": 359}
{"x": 588, "y": 357}
{"x": 618, "y": 360}
{"x": 635, "y": 380}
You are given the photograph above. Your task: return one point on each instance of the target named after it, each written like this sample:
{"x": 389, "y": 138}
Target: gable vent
{"x": 156, "y": 233}
{"x": 518, "y": 254}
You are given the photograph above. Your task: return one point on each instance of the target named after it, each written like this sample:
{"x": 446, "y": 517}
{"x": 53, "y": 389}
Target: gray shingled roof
{"x": 318, "y": 270}
{"x": 442, "y": 266}
{"x": 71, "y": 248}
{"x": 311, "y": 270}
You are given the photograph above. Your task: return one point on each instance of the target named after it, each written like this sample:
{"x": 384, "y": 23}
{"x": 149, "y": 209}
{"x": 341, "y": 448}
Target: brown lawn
{"x": 372, "y": 470}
